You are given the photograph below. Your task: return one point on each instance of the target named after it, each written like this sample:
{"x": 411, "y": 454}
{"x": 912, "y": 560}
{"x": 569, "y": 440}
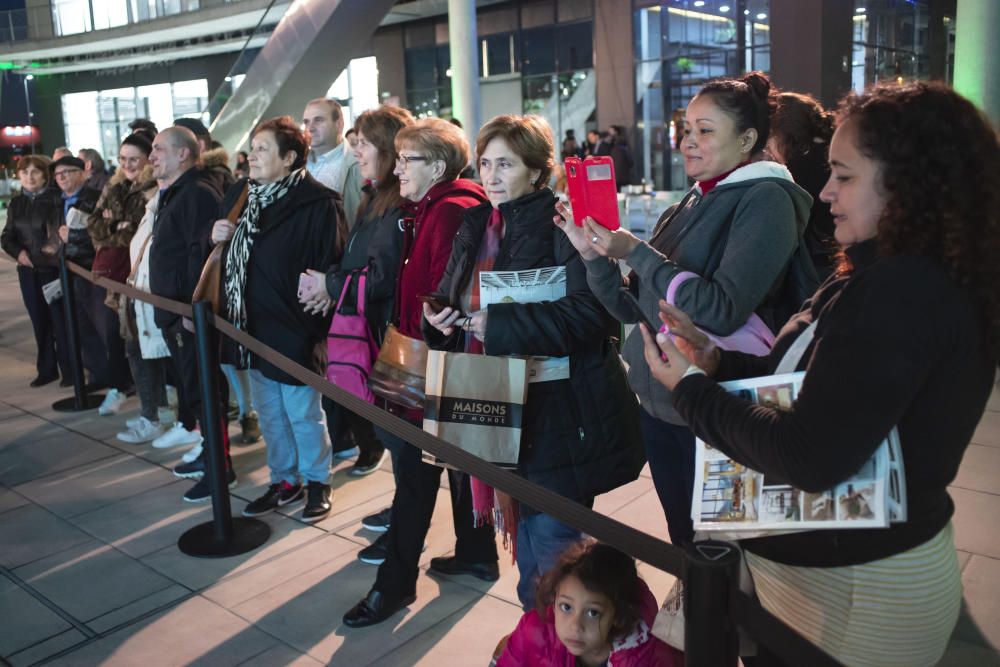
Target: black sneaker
{"x": 193, "y": 470}
{"x": 318, "y": 505}
{"x": 367, "y": 463}
{"x": 378, "y": 522}
{"x": 277, "y": 495}
{"x": 201, "y": 492}
{"x": 375, "y": 553}
{"x": 41, "y": 381}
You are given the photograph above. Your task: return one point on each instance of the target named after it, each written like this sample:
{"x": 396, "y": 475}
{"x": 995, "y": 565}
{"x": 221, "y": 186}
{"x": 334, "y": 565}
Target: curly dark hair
{"x": 601, "y": 569}
{"x": 939, "y": 161}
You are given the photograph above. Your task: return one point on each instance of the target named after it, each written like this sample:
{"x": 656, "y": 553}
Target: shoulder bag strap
{"x": 138, "y": 260}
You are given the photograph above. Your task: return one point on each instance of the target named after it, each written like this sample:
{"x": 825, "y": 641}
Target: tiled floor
{"x": 90, "y": 573}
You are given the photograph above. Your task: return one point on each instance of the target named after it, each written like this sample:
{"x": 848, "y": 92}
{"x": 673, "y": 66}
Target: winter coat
{"x": 79, "y": 247}
{"x": 438, "y": 216}
{"x": 126, "y": 202}
{"x": 534, "y": 643}
{"x": 580, "y": 437}
{"x": 184, "y": 218}
{"x": 215, "y": 165}
{"x": 739, "y": 238}
{"x": 151, "y": 342}
{"x": 376, "y": 242}
{"x": 297, "y": 232}
{"x": 31, "y": 223}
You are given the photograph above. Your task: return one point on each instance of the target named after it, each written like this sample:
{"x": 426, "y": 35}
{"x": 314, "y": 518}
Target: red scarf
{"x": 705, "y": 186}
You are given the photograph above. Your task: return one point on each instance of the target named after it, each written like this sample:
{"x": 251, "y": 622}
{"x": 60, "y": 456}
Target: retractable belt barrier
{"x": 707, "y": 566}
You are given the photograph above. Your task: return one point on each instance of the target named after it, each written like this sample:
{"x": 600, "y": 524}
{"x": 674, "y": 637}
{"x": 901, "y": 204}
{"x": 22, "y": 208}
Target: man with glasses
{"x": 78, "y": 202}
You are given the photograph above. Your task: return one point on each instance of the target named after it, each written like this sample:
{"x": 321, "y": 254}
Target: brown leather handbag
{"x": 209, "y": 287}
{"x": 399, "y": 374}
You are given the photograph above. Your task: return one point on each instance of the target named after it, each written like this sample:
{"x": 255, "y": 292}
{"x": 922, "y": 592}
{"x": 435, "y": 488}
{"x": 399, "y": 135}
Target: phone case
{"x": 592, "y": 191}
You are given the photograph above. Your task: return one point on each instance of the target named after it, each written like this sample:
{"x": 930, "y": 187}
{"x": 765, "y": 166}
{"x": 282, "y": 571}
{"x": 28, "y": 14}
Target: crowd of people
{"x": 857, "y": 245}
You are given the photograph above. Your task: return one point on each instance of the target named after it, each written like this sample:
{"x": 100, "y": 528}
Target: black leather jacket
{"x": 32, "y": 221}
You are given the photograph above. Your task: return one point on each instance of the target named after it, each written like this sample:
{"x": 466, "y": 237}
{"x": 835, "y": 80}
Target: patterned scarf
{"x": 259, "y": 197}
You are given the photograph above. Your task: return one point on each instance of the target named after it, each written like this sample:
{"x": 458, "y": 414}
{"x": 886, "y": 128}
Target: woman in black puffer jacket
{"x": 32, "y": 219}
{"x": 580, "y": 433}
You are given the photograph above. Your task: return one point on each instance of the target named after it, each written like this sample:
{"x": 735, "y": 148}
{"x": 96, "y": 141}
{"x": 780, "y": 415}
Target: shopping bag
{"x": 476, "y": 402}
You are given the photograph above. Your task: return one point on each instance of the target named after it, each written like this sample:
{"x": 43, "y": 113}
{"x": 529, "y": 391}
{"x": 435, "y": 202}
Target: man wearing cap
{"x": 187, "y": 207}
{"x": 78, "y": 202}
{"x": 331, "y": 160}
{"x": 215, "y": 161}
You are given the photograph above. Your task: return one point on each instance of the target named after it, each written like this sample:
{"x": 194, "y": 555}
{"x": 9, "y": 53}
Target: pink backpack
{"x": 351, "y": 348}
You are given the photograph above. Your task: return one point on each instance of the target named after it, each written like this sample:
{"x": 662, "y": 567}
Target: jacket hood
{"x": 215, "y": 158}
{"x": 457, "y": 188}
{"x": 767, "y": 171}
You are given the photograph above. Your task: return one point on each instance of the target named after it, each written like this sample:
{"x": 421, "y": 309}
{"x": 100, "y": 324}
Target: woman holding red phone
{"x": 579, "y": 434}
{"x": 736, "y": 230}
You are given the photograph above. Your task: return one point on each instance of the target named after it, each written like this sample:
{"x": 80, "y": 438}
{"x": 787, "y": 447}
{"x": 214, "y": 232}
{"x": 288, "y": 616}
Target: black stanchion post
{"x": 710, "y": 637}
{"x": 80, "y": 400}
{"x": 224, "y": 535}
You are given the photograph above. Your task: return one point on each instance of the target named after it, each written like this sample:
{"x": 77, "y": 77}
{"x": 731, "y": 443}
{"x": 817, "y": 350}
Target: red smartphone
{"x": 592, "y": 191}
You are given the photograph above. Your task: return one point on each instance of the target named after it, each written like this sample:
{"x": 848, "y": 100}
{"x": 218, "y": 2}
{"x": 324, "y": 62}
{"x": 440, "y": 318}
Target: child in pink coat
{"x": 593, "y": 611}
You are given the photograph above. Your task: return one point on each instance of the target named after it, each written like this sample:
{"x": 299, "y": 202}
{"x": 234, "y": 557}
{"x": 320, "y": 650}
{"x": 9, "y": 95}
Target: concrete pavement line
{"x": 53, "y": 607}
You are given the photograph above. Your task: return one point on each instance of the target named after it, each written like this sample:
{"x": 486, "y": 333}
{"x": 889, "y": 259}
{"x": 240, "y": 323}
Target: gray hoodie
{"x": 738, "y": 238}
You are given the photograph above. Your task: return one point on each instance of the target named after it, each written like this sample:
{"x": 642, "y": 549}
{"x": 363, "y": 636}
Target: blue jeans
{"x": 540, "y": 541}
{"x": 670, "y": 452}
{"x": 294, "y": 427}
{"x": 239, "y": 380}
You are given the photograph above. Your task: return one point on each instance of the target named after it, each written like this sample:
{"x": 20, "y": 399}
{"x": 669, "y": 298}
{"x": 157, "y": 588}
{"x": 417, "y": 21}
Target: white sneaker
{"x": 192, "y": 454}
{"x": 133, "y": 422}
{"x": 112, "y": 403}
{"x": 176, "y": 436}
{"x": 143, "y": 431}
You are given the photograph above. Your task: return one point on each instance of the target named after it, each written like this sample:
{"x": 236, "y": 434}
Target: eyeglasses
{"x": 403, "y": 161}
{"x": 129, "y": 160}
{"x": 64, "y": 172}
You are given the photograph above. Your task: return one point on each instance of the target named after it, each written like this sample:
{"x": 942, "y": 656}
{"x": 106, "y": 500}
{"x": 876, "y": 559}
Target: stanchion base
{"x": 248, "y": 534}
{"x": 90, "y": 401}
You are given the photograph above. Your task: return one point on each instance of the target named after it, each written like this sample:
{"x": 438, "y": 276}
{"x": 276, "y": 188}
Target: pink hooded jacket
{"x": 534, "y": 643}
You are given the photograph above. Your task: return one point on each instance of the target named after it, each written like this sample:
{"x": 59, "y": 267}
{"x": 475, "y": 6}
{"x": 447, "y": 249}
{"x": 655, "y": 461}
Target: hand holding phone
{"x": 592, "y": 190}
{"x": 436, "y": 304}
{"x": 307, "y": 286}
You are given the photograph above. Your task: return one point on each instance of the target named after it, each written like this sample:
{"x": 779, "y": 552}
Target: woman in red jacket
{"x": 431, "y": 154}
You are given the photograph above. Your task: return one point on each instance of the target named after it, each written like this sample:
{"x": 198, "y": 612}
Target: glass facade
{"x": 892, "y": 42}
{"x": 99, "y": 118}
{"x": 545, "y": 46}
{"x": 677, "y": 50}
{"x": 70, "y": 17}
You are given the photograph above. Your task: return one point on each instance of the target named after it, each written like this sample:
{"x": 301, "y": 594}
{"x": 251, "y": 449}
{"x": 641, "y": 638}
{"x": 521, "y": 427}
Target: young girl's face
{"x": 583, "y": 621}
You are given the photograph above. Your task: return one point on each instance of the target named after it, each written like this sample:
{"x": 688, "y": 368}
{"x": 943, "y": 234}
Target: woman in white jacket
{"x": 145, "y": 347}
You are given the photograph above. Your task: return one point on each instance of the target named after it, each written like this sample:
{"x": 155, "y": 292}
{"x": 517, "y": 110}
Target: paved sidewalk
{"x": 90, "y": 573}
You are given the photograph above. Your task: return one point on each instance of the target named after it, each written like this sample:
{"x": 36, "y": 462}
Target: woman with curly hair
{"x": 908, "y": 336}
{"x": 801, "y": 130}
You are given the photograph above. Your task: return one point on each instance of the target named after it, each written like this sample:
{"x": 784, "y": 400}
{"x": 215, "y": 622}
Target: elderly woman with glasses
{"x": 290, "y": 223}
{"x": 431, "y": 154}
{"x": 32, "y": 219}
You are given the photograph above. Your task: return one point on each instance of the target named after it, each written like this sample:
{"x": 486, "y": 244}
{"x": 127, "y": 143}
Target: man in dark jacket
{"x": 78, "y": 202}
{"x": 212, "y": 156}
{"x": 186, "y": 210}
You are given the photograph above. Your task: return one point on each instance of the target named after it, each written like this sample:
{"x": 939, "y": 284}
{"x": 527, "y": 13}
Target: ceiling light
{"x": 761, "y": 16}
{"x": 724, "y": 8}
{"x": 860, "y": 10}
{"x": 699, "y": 3}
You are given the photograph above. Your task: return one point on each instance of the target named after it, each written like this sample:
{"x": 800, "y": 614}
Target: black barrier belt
{"x": 766, "y": 629}
{"x": 746, "y": 612}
